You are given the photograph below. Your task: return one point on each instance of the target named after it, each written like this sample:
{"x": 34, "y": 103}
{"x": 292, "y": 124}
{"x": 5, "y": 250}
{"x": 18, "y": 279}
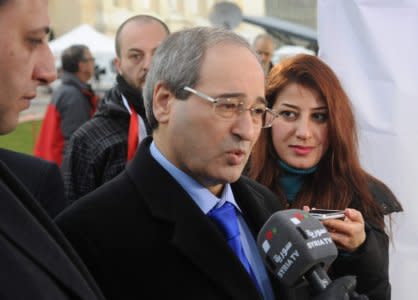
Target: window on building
{"x": 146, "y": 4}
{"x": 194, "y": 7}
{"x": 173, "y": 5}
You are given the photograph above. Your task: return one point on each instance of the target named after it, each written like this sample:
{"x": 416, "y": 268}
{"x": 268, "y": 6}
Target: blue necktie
{"x": 225, "y": 218}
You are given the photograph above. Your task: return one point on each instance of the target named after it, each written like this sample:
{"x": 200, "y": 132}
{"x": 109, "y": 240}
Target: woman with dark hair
{"x": 309, "y": 158}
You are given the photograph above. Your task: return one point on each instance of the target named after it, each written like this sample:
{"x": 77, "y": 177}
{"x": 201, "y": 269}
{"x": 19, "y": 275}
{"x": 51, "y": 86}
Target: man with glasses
{"x": 73, "y": 103}
{"x": 156, "y": 231}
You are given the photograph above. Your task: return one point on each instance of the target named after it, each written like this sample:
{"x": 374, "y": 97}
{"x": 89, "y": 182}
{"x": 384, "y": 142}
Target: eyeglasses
{"x": 228, "y": 107}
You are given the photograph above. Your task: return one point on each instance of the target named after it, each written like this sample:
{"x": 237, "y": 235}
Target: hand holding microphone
{"x": 295, "y": 246}
{"x": 342, "y": 288}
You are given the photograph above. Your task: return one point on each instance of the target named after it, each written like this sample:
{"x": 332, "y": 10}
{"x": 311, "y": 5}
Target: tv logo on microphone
{"x": 292, "y": 243}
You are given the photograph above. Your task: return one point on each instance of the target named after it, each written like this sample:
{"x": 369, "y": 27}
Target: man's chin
{"x": 230, "y": 177}
{"x": 8, "y": 127}
{"x": 138, "y": 86}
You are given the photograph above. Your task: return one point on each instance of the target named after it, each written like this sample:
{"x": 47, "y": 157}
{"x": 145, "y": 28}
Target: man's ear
{"x": 116, "y": 64}
{"x": 161, "y": 104}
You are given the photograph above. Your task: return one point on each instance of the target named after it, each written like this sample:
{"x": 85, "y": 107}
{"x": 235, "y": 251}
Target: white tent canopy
{"x": 101, "y": 46}
{"x": 86, "y": 35}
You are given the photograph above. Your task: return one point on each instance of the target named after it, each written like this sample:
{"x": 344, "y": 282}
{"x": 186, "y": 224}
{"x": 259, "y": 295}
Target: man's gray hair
{"x": 178, "y": 60}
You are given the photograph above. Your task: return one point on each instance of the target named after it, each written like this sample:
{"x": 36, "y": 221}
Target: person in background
{"x": 264, "y": 46}
{"x": 73, "y": 103}
{"x": 309, "y": 158}
{"x": 100, "y": 149}
{"x": 36, "y": 260}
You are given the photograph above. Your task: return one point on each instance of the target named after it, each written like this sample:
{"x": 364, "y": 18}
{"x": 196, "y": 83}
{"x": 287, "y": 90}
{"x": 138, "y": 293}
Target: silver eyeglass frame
{"x": 270, "y": 114}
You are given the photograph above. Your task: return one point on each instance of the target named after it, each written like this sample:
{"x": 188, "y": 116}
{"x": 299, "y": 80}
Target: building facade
{"x": 107, "y": 15}
{"x": 297, "y": 11}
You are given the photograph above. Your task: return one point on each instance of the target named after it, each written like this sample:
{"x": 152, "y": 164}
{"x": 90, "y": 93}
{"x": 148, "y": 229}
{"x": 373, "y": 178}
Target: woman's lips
{"x": 302, "y": 150}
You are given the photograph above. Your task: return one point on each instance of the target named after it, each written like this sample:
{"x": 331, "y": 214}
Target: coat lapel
{"x": 194, "y": 233}
{"x": 252, "y": 204}
{"x": 206, "y": 247}
{"x": 256, "y": 210}
{"x": 24, "y": 222}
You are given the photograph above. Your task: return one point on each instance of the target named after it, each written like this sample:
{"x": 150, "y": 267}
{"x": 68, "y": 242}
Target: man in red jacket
{"x": 72, "y": 104}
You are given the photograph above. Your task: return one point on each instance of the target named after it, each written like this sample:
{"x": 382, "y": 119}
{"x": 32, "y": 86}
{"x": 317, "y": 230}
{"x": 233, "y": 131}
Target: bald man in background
{"x": 264, "y": 46}
{"x": 100, "y": 149}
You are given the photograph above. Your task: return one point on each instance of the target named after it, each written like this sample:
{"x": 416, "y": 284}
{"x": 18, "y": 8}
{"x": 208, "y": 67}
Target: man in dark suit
{"x": 36, "y": 261}
{"x": 42, "y": 179}
{"x": 150, "y": 232}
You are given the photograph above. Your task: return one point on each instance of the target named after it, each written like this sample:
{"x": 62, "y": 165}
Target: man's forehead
{"x": 227, "y": 53}
{"x": 232, "y": 68}
{"x": 136, "y": 35}
{"x": 226, "y": 45}
{"x": 11, "y": 6}
{"x": 137, "y": 26}
{"x": 264, "y": 43}
{"x": 29, "y": 15}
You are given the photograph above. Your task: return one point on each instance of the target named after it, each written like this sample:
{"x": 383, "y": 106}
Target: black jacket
{"x": 143, "y": 237}
{"x": 97, "y": 151}
{"x": 36, "y": 261}
{"x": 42, "y": 178}
{"x": 370, "y": 263}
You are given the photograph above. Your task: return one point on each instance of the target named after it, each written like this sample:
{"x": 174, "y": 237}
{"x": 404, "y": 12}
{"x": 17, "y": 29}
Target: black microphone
{"x": 296, "y": 246}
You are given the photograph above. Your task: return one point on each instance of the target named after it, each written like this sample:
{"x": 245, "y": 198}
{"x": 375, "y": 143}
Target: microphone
{"x": 296, "y": 246}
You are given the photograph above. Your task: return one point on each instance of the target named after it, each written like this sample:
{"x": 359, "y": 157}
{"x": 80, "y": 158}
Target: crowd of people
{"x": 167, "y": 181}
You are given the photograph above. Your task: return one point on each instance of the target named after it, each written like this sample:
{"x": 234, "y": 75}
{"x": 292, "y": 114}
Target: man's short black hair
{"x": 72, "y": 56}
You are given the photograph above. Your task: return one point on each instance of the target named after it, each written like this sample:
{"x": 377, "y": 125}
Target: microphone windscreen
{"x": 292, "y": 243}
